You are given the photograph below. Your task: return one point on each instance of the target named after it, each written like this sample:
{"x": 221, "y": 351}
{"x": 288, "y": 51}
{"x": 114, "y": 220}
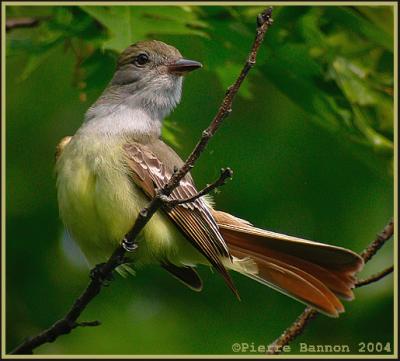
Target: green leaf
{"x": 363, "y": 95}
{"x": 348, "y": 18}
{"x": 128, "y": 24}
{"x": 309, "y": 26}
{"x": 294, "y": 75}
{"x": 64, "y": 25}
{"x": 119, "y": 23}
{"x": 381, "y": 16}
{"x": 351, "y": 78}
{"x": 34, "y": 61}
{"x": 380, "y": 143}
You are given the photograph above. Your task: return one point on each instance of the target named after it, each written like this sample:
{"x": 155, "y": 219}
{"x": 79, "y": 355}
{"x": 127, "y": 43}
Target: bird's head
{"x": 152, "y": 71}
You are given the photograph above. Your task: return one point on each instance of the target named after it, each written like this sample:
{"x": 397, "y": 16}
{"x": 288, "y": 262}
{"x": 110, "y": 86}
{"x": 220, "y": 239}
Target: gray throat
{"x": 124, "y": 111}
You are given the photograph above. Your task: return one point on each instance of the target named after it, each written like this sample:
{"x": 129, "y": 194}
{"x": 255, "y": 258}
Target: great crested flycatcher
{"x": 112, "y": 166}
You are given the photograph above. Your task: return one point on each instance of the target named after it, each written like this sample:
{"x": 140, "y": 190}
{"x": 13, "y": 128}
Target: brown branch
{"x": 375, "y": 277}
{"x": 226, "y": 173}
{"x": 380, "y": 240}
{"x": 25, "y": 22}
{"x": 298, "y": 326}
{"x": 294, "y": 330}
{"x": 264, "y": 20}
{"x": 103, "y": 272}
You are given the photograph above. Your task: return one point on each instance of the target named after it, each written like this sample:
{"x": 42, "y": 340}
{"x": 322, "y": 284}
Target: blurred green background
{"x": 310, "y": 141}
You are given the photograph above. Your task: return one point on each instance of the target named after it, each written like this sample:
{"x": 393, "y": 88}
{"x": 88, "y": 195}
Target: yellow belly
{"x": 99, "y": 203}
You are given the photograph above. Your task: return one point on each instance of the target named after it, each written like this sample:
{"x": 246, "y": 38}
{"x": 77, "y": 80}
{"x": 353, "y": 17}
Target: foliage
{"x": 310, "y": 140}
{"x": 335, "y": 63}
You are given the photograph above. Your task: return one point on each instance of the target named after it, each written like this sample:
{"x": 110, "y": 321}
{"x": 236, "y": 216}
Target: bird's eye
{"x": 141, "y": 59}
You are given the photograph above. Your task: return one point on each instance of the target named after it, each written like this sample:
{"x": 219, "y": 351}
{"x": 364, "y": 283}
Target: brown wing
{"x": 193, "y": 219}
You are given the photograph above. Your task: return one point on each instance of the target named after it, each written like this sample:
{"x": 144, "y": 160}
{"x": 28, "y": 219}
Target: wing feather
{"x": 193, "y": 219}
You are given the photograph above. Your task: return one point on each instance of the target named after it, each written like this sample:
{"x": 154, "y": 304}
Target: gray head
{"x": 151, "y": 71}
{"x": 146, "y": 86}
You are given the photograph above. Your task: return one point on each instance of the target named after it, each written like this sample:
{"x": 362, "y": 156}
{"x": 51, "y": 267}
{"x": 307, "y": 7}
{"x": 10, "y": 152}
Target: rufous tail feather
{"x": 313, "y": 273}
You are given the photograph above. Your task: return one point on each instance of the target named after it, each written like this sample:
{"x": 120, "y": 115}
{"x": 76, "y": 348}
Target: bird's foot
{"x": 128, "y": 245}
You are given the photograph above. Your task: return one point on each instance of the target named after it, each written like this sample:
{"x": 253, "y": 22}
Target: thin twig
{"x": 66, "y": 324}
{"x": 264, "y": 20}
{"x": 226, "y": 173}
{"x": 298, "y": 326}
{"x": 375, "y": 277}
{"x": 103, "y": 272}
{"x": 295, "y": 329}
{"x": 25, "y": 22}
{"x": 380, "y": 240}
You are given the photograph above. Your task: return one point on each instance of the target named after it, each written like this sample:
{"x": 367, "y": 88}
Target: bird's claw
{"x": 129, "y": 246}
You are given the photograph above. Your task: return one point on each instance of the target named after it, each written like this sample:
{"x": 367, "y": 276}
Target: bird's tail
{"x": 313, "y": 273}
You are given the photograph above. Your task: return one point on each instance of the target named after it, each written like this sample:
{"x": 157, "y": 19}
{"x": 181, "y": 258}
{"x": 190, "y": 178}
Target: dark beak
{"x": 183, "y": 66}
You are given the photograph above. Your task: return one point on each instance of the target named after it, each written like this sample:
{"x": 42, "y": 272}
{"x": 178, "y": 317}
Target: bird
{"x": 115, "y": 162}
